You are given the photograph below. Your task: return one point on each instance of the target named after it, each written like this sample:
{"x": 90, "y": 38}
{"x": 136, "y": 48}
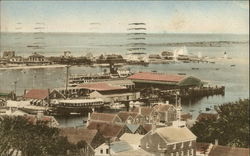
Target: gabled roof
{"x": 105, "y": 117}
{"x": 125, "y": 115}
{"x": 175, "y": 134}
{"x": 147, "y": 127}
{"x": 163, "y": 107}
{"x": 156, "y": 77}
{"x": 145, "y": 111}
{"x": 107, "y": 130}
{"x": 202, "y": 146}
{"x": 133, "y": 127}
{"x": 206, "y": 116}
{"x": 37, "y": 94}
{"x": 132, "y": 139}
{"x": 186, "y": 116}
{"x": 75, "y": 135}
{"x": 218, "y": 150}
{"x": 120, "y": 146}
{"x": 100, "y": 86}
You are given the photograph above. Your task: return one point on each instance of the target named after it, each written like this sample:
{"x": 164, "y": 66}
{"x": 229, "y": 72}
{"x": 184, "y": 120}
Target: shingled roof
{"x": 206, "y": 116}
{"x": 175, "y": 134}
{"x": 156, "y": 77}
{"x": 125, "y": 115}
{"x": 105, "y": 117}
{"x": 37, "y": 94}
{"x": 107, "y": 130}
{"x": 75, "y": 135}
{"x": 145, "y": 111}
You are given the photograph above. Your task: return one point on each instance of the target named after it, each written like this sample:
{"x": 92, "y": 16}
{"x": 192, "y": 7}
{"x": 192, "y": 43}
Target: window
{"x": 101, "y": 151}
{"x": 107, "y": 151}
{"x": 174, "y": 147}
{"x": 190, "y": 143}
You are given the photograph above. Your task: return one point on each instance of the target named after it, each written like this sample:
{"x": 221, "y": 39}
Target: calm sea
{"x": 235, "y": 79}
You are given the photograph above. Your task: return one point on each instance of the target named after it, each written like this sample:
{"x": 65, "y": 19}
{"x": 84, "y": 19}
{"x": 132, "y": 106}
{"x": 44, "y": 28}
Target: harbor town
{"x": 141, "y": 78}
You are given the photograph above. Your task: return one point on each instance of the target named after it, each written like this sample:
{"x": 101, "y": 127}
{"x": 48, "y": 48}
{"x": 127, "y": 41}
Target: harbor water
{"x": 235, "y": 78}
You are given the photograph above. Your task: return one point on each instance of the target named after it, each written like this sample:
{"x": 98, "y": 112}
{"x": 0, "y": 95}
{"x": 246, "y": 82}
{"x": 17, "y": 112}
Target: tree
{"x": 231, "y": 128}
{"x": 18, "y": 134}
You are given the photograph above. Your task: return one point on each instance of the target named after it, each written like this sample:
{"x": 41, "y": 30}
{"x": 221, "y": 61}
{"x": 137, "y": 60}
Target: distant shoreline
{"x": 32, "y": 67}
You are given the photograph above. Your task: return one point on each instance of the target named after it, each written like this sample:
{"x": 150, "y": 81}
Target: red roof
{"x": 37, "y": 94}
{"x": 156, "y": 77}
{"x": 101, "y": 86}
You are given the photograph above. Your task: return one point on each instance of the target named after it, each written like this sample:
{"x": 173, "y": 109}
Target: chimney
{"x": 166, "y": 117}
{"x": 216, "y": 142}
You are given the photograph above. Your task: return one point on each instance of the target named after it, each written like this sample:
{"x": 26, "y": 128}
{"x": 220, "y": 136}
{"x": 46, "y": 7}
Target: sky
{"x": 114, "y": 16}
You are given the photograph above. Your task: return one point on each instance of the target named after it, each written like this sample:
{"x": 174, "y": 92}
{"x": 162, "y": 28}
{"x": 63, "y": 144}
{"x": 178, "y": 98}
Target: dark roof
{"x": 156, "y": 77}
{"x": 100, "y": 86}
{"x": 75, "y": 135}
{"x": 147, "y": 127}
{"x": 105, "y": 117}
{"x": 145, "y": 111}
{"x": 218, "y": 150}
{"x": 37, "y": 94}
{"x": 206, "y": 116}
{"x": 106, "y": 129}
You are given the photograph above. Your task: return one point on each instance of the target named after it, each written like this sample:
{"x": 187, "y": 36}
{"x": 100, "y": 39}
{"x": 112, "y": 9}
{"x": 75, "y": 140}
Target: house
{"x": 42, "y": 96}
{"x": 130, "y": 117}
{"x": 136, "y": 129}
{"x": 164, "y": 81}
{"x": 218, "y": 150}
{"x": 105, "y": 117}
{"x": 207, "y": 116}
{"x": 8, "y": 54}
{"x": 167, "y": 113}
{"x": 145, "y": 112}
{"x": 75, "y": 135}
{"x": 109, "y": 92}
{"x": 107, "y": 149}
{"x": 16, "y": 60}
{"x": 169, "y": 141}
{"x": 132, "y": 139}
{"x": 108, "y": 130}
{"x": 37, "y": 59}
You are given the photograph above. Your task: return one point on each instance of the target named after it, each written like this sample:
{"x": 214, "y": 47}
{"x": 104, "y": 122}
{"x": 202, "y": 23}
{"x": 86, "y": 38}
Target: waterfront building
{"x": 42, "y": 97}
{"x": 16, "y": 60}
{"x": 36, "y": 58}
{"x": 109, "y": 92}
{"x": 170, "y": 141}
{"x": 164, "y": 81}
{"x": 8, "y": 54}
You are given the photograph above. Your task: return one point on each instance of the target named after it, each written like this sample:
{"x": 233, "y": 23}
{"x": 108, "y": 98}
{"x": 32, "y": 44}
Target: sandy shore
{"x": 32, "y": 67}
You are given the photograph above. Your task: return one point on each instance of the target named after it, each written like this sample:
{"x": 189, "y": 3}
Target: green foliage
{"x": 231, "y": 128}
{"x": 19, "y": 134}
